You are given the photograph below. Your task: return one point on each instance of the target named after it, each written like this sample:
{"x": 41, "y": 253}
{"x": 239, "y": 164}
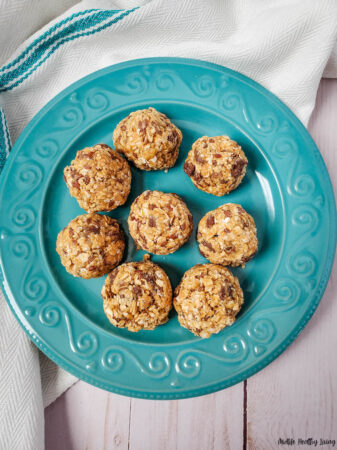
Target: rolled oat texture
{"x": 149, "y": 139}
{"x": 207, "y": 299}
{"x": 90, "y": 245}
{"x": 99, "y": 178}
{"x": 160, "y": 223}
{"x": 227, "y": 235}
{"x": 137, "y": 296}
{"x": 216, "y": 164}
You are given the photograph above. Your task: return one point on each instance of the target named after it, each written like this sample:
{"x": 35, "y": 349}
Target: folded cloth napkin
{"x": 283, "y": 44}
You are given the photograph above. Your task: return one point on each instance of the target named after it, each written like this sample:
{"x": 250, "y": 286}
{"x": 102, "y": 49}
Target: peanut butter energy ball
{"x": 216, "y": 164}
{"x": 90, "y": 245}
{"x": 148, "y": 139}
{"x": 227, "y": 236}
{"x": 160, "y": 223}
{"x": 207, "y": 299}
{"x": 99, "y": 178}
{"x": 137, "y": 296}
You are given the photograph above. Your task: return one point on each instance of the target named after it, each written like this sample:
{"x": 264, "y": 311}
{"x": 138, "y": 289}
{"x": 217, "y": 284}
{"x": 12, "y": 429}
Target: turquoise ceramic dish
{"x": 286, "y": 189}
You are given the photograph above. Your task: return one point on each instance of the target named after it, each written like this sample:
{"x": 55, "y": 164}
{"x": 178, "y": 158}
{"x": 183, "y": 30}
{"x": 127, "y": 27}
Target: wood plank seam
{"x": 130, "y": 407}
{"x": 244, "y": 440}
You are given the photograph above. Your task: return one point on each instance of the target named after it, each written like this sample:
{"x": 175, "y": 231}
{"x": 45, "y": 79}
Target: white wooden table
{"x": 295, "y": 397}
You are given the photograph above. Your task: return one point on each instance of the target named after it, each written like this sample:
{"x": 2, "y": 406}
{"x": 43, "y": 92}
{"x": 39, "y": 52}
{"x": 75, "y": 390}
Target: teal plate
{"x": 286, "y": 189}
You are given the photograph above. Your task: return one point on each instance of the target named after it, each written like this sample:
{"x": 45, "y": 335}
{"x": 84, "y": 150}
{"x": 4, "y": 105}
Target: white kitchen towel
{"x": 283, "y": 44}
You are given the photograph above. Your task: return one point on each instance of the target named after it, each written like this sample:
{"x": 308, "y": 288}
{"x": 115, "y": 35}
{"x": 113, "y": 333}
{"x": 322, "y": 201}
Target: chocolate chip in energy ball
{"x": 152, "y": 222}
{"x": 210, "y": 221}
{"x": 238, "y": 167}
{"x": 189, "y": 168}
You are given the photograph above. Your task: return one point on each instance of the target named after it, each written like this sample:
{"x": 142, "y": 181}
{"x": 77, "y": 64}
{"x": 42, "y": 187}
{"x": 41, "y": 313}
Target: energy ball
{"x": 137, "y": 296}
{"x": 148, "y": 139}
{"x": 207, "y": 299}
{"x": 99, "y": 178}
{"x": 160, "y": 223}
{"x": 216, "y": 164}
{"x": 227, "y": 236}
{"x": 90, "y": 245}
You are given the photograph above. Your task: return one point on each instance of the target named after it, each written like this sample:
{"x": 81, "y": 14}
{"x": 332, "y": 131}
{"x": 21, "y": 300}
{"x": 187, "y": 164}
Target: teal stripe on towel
{"x": 4, "y": 139}
{"x": 15, "y": 77}
{"x": 43, "y": 36}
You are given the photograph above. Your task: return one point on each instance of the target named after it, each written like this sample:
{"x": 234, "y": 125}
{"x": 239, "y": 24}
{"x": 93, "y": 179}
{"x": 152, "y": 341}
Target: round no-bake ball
{"x": 137, "y": 296}
{"x": 160, "y": 223}
{"x": 207, "y": 299}
{"x": 99, "y": 178}
{"x": 227, "y": 235}
{"x": 90, "y": 245}
{"x": 148, "y": 139}
{"x": 216, "y": 164}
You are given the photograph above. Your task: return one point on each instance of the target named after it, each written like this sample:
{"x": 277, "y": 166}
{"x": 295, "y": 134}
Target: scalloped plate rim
{"x": 296, "y": 330}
